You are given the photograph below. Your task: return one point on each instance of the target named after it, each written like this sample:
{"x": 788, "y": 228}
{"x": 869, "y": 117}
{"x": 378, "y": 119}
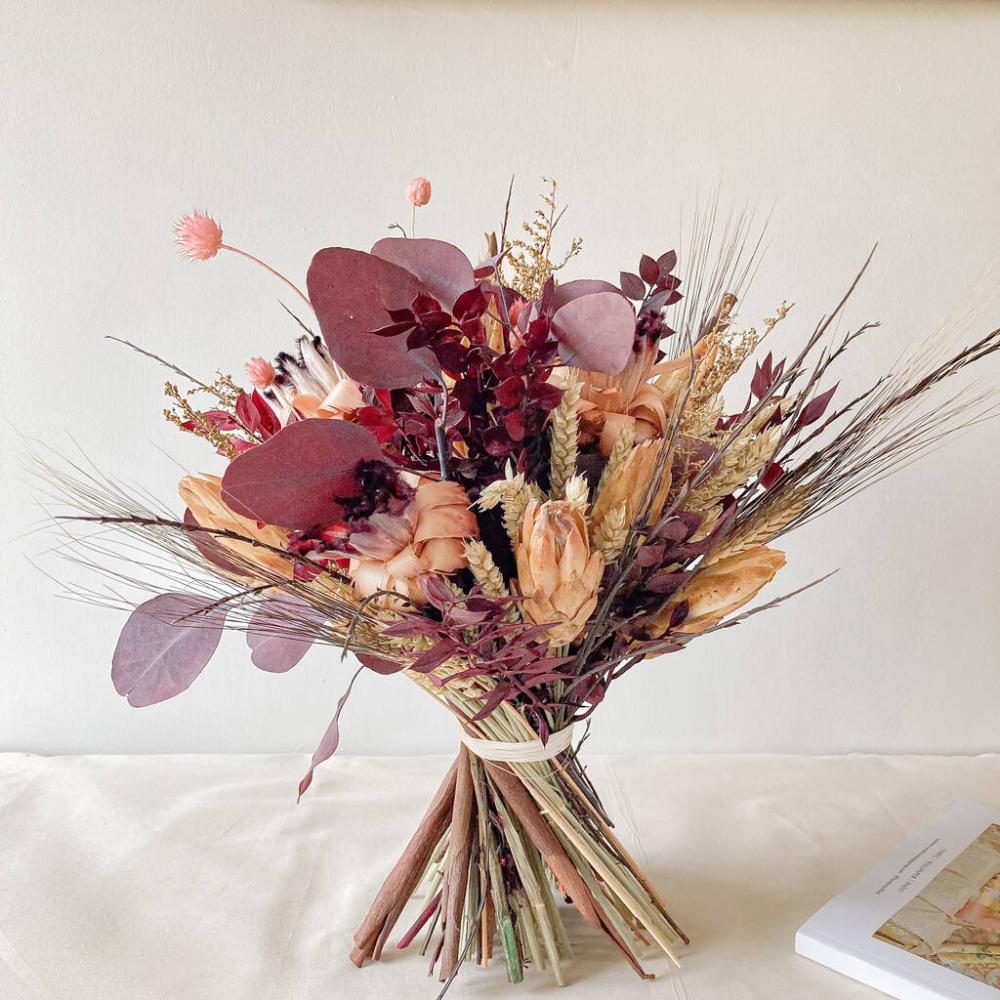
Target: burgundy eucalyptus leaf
{"x": 352, "y": 293}
{"x": 435, "y": 656}
{"x": 436, "y": 591}
{"x": 331, "y": 738}
{"x": 596, "y": 332}
{"x": 470, "y": 305}
{"x": 294, "y": 479}
{"x": 274, "y": 646}
{"x": 164, "y": 646}
{"x": 442, "y": 269}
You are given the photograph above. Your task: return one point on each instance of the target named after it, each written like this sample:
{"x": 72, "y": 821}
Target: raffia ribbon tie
{"x": 521, "y": 751}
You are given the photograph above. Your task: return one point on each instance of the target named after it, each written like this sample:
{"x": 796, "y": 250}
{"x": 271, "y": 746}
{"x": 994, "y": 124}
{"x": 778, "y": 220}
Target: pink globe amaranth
{"x": 199, "y": 236}
{"x": 418, "y": 192}
{"x": 260, "y": 372}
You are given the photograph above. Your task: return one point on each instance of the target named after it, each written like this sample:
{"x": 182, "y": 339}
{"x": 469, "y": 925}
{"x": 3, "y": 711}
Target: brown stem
{"x": 457, "y": 866}
{"x": 523, "y": 806}
{"x": 540, "y": 833}
{"x": 405, "y": 875}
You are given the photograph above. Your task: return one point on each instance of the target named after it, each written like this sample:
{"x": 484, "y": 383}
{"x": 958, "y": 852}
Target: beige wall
{"x": 298, "y": 125}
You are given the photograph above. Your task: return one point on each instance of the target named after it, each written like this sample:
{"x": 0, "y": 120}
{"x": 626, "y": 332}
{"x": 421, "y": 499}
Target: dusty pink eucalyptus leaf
{"x": 270, "y": 635}
{"x": 380, "y": 664}
{"x": 331, "y": 738}
{"x": 352, "y": 293}
{"x": 575, "y": 289}
{"x": 164, "y": 645}
{"x": 596, "y": 331}
{"x": 293, "y": 479}
{"x": 206, "y": 544}
{"x": 441, "y": 268}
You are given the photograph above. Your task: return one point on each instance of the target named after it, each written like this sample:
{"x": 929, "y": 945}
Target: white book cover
{"x": 924, "y": 923}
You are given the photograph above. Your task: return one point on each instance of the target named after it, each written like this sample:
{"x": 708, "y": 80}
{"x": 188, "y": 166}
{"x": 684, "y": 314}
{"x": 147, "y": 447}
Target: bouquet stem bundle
{"x": 498, "y": 842}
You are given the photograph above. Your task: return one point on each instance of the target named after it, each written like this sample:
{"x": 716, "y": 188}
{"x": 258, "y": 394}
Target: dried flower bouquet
{"x": 511, "y": 490}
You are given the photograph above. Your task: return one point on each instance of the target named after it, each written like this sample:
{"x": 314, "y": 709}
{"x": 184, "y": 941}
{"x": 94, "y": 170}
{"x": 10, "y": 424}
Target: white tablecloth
{"x": 199, "y": 878}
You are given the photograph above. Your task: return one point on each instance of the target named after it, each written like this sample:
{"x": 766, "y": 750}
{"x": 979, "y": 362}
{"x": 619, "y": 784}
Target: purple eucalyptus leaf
{"x": 294, "y": 479}
{"x": 331, "y": 738}
{"x": 352, "y": 294}
{"x": 442, "y": 269}
{"x": 274, "y": 646}
{"x": 596, "y": 332}
{"x": 165, "y": 644}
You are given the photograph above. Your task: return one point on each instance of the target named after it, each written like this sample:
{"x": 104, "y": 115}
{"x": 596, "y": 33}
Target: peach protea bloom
{"x": 671, "y": 377}
{"x": 427, "y": 538}
{"x": 718, "y": 590}
{"x": 626, "y": 487}
{"x": 609, "y": 403}
{"x": 260, "y": 372}
{"x": 557, "y": 574}
{"x": 199, "y": 236}
{"x": 641, "y": 396}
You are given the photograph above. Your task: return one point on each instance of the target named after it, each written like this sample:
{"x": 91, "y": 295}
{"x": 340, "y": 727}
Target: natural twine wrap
{"x": 520, "y": 751}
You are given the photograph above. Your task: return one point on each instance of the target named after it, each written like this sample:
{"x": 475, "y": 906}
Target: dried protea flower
{"x": 671, "y": 378}
{"x": 394, "y": 552}
{"x": 718, "y": 590}
{"x": 311, "y": 385}
{"x": 611, "y": 403}
{"x": 557, "y": 574}
{"x": 627, "y": 485}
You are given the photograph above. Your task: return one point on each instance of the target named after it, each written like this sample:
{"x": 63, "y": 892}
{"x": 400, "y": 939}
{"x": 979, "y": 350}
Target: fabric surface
{"x": 199, "y": 878}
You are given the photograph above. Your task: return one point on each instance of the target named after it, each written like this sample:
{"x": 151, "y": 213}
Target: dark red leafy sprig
{"x": 474, "y": 631}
